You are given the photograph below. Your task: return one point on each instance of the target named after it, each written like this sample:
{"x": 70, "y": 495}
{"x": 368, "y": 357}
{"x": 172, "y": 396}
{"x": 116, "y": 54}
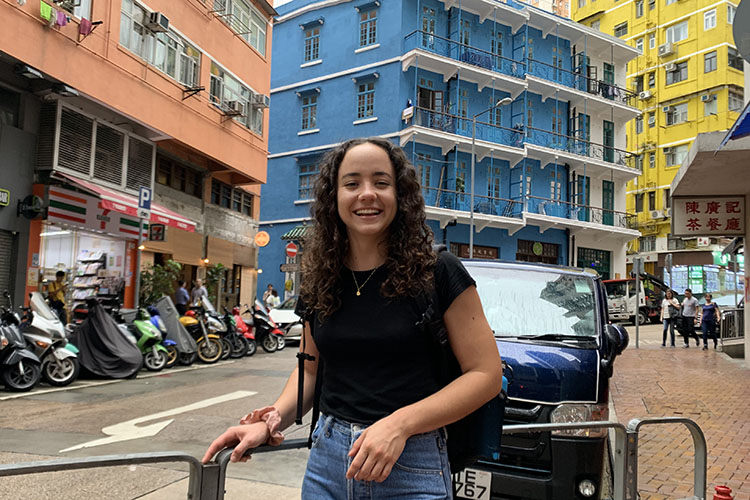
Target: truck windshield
{"x": 616, "y": 289}
{"x": 523, "y": 303}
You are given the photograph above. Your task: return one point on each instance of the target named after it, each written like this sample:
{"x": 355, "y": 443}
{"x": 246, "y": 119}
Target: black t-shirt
{"x": 376, "y": 360}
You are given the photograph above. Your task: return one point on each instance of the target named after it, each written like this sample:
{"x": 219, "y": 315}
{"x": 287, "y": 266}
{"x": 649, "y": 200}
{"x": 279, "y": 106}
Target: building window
{"x": 652, "y": 79}
{"x": 247, "y": 22}
{"x": 10, "y": 105}
{"x": 366, "y": 100}
{"x": 651, "y": 120}
{"x": 731, "y": 11}
{"x": 677, "y": 114}
{"x": 669, "y": 2}
{"x": 652, "y": 200}
{"x": 309, "y": 112}
{"x": 638, "y": 83}
{"x": 639, "y": 8}
{"x": 734, "y": 59}
{"x": 710, "y": 107}
{"x": 312, "y": 44}
{"x": 651, "y": 40}
{"x": 639, "y": 44}
{"x": 678, "y": 74}
{"x": 368, "y": 27}
{"x": 228, "y": 93}
{"x": 596, "y": 25}
{"x": 651, "y": 4}
{"x": 709, "y": 62}
{"x": 647, "y": 243}
{"x": 621, "y": 29}
{"x": 179, "y": 177}
{"x": 307, "y": 176}
{"x": 231, "y": 198}
{"x": 675, "y": 243}
{"x": 639, "y": 124}
{"x": 651, "y": 160}
{"x": 675, "y": 155}
{"x": 667, "y": 198}
{"x": 639, "y": 162}
{"x": 735, "y": 101}
{"x": 177, "y": 58}
{"x": 709, "y": 19}
{"x": 639, "y": 202}
{"x": 677, "y": 33}
{"x": 133, "y": 33}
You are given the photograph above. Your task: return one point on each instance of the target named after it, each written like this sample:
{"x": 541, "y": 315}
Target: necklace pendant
{"x": 358, "y": 294}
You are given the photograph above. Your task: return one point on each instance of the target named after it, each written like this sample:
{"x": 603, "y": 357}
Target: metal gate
{"x": 6, "y": 260}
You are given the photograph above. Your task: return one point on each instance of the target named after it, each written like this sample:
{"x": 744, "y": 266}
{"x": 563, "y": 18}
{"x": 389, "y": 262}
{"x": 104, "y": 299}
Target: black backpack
{"x": 474, "y": 437}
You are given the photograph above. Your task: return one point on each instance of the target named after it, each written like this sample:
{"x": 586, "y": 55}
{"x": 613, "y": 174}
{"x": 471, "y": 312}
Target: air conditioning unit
{"x": 666, "y": 49}
{"x": 646, "y": 94}
{"x": 667, "y": 109}
{"x": 667, "y": 212}
{"x": 234, "y": 108}
{"x": 670, "y": 66}
{"x": 158, "y": 22}
{"x": 656, "y": 214}
{"x": 260, "y": 100}
{"x": 708, "y": 97}
{"x": 667, "y": 151}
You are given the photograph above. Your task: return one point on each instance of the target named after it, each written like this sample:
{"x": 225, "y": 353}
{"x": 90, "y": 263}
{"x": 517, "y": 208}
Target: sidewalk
{"x": 705, "y": 386}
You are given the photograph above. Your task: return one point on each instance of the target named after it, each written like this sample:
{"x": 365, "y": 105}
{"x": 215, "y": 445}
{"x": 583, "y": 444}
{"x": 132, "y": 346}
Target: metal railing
{"x": 459, "y": 125}
{"x": 581, "y": 147}
{"x": 460, "y": 200}
{"x": 464, "y": 53}
{"x": 732, "y": 326}
{"x": 578, "y": 81}
{"x": 583, "y": 213}
{"x": 207, "y": 482}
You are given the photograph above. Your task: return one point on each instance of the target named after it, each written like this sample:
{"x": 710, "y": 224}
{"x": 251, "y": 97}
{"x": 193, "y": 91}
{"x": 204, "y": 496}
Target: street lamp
{"x": 501, "y": 102}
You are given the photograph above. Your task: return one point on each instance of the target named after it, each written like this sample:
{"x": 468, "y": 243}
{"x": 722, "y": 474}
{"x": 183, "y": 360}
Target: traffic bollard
{"x": 723, "y": 493}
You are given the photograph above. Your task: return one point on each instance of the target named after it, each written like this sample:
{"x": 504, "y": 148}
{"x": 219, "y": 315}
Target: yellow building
{"x": 690, "y": 80}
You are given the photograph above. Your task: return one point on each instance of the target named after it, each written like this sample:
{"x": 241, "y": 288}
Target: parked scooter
{"x": 245, "y": 330}
{"x": 239, "y": 343}
{"x": 169, "y": 345}
{"x": 210, "y": 347}
{"x": 186, "y": 346}
{"x": 20, "y": 368}
{"x": 148, "y": 337}
{"x": 267, "y": 333}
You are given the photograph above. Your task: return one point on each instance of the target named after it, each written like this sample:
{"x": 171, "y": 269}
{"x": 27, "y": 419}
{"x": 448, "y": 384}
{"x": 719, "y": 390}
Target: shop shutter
{"x": 76, "y": 132}
{"x": 140, "y": 163}
{"x": 109, "y": 154}
{"x": 45, "y": 151}
{"x": 6, "y": 260}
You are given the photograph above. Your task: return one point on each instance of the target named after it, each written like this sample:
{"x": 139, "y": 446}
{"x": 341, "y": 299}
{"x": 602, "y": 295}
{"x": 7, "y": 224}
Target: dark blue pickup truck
{"x": 553, "y": 333}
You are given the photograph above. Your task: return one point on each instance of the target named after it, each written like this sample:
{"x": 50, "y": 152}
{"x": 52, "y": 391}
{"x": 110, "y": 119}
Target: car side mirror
{"x": 617, "y": 339}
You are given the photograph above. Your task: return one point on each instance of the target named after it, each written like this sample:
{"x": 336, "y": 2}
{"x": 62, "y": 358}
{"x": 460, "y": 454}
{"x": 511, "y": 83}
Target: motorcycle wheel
{"x": 155, "y": 360}
{"x": 270, "y": 343}
{"x": 239, "y": 347}
{"x": 18, "y": 380}
{"x": 60, "y": 372}
{"x": 252, "y": 346}
{"x": 281, "y": 341}
{"x": 209, "y": 350}
{"x": 187, "y": 358}
{"x": 172, "y": 356}
{"x": 226, "y": 348}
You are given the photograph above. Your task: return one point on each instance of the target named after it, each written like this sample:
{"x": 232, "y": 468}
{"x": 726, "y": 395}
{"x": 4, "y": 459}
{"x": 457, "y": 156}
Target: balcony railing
{"x": 459, "y": 200}
{"x": 580, "y": 147}
{"x": 581, "y": 82}
{"x": 583, "y": 213}
{"x": 462, "y": 126}
{"x": 464, "y": 53}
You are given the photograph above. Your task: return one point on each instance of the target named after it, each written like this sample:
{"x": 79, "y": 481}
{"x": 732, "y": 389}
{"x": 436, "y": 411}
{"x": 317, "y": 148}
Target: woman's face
{"x": 366, "y": 191}
{"x": 669, "y": 295}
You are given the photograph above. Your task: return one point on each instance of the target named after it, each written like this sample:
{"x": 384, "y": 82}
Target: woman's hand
{"x": 376, "y": 450}
{"x": 242, "y": 437}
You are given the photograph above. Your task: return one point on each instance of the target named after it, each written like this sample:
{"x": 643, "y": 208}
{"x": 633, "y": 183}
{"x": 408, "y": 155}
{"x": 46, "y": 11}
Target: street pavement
{"x": 708, "y": 387}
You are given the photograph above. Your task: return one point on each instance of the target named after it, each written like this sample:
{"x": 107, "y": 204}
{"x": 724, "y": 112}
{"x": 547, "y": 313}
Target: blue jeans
{"x": 709, "y": 328}
{"x": 421, "y": 472}
{"x": 668, "y": 323}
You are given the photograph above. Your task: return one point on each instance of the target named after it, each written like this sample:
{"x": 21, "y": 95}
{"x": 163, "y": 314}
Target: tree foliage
{"x": 214, "y": 275}
{"x": 159, "y": 280}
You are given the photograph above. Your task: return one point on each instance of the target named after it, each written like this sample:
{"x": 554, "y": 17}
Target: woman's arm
{"x": 245, "y": 437}
{"x": 472, "y": 342}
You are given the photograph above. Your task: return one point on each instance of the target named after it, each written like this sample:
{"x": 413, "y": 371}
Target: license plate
{"x": 472, "y": 484}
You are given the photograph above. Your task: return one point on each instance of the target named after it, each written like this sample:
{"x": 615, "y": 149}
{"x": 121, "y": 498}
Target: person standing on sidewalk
{"x": 689, "y": 309}
{"x": 670, "y": 312}
{"x": 181, "y": 298}
{"x": 709, "y": 318}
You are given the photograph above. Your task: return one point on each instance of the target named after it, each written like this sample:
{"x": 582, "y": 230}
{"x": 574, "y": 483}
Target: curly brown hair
{"x": 410, "y": 259}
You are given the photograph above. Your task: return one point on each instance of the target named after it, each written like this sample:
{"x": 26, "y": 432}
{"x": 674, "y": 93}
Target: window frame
{"x": 639, "y": 44}
{"x": 709, "y": 19}
{"x": 652, "y": 41}
{"x": 738, "y": 99}
{"x": 232, "y": 198}
{"x": 311, "y": 49}
{"x": 309, "y": 112}
{"x": 678, "y": 28}
{"x": 365, "y": 100}
{"x": 639, "y": 9}
{"x": 710, "y": 61}
{"x": 680, "y": 71}
{"x": 368, "y": 27}
{"x": 622, "y": 28}
{"x": 638, "y": 203}
{"x": 307, "y": 173}
{"x": 731, "y": 12}
{"x": 734, "y": 59}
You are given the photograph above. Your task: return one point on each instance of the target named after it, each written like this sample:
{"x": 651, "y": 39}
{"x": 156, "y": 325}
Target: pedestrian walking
{"x": 267, "y": 293}
{"x": 199, "y": 291}
{"x": 670, "y": 314}
{"x": 273, "y": 300}
{"x": 56, "y": 296}
{"x": 709, "y": 318}
{"x": 383, "y": 411}
{"x": 181, "y": 298}
{"x": 689, "y": 310}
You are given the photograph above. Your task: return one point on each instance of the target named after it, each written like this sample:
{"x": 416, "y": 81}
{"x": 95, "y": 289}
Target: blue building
{"x": 551, "y": 160}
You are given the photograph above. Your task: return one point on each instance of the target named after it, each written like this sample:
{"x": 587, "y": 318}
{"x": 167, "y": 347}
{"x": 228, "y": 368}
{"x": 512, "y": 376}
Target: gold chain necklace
{"x": 363, "y": 284}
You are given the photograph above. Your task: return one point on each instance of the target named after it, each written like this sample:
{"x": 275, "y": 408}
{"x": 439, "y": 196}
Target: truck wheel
{"x": 642, "y": 318}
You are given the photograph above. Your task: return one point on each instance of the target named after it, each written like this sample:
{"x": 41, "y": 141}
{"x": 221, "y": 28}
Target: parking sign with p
{"x": 144, "y": 203}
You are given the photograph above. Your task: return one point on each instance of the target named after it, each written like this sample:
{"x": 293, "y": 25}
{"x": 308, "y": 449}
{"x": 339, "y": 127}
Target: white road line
{"x": 116, "y": 381}
{"x": 125, "y": 431}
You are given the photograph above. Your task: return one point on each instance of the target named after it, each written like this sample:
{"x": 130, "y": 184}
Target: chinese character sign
{"x": 708, "y": 216}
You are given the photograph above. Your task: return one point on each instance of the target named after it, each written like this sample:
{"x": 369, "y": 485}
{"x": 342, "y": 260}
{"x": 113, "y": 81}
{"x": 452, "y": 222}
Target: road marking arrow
{"x": 125, "y": 431}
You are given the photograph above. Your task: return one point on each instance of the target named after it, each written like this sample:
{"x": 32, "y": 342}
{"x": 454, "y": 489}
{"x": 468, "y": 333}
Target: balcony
{"x": 590, "y": 96}
{"x": 448, "y": 131}
{"x": 449, "y": 57}
{"x": 448, "y": 206}
{"x": 547, "y": 213}
{"x": 551, "y": 147}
